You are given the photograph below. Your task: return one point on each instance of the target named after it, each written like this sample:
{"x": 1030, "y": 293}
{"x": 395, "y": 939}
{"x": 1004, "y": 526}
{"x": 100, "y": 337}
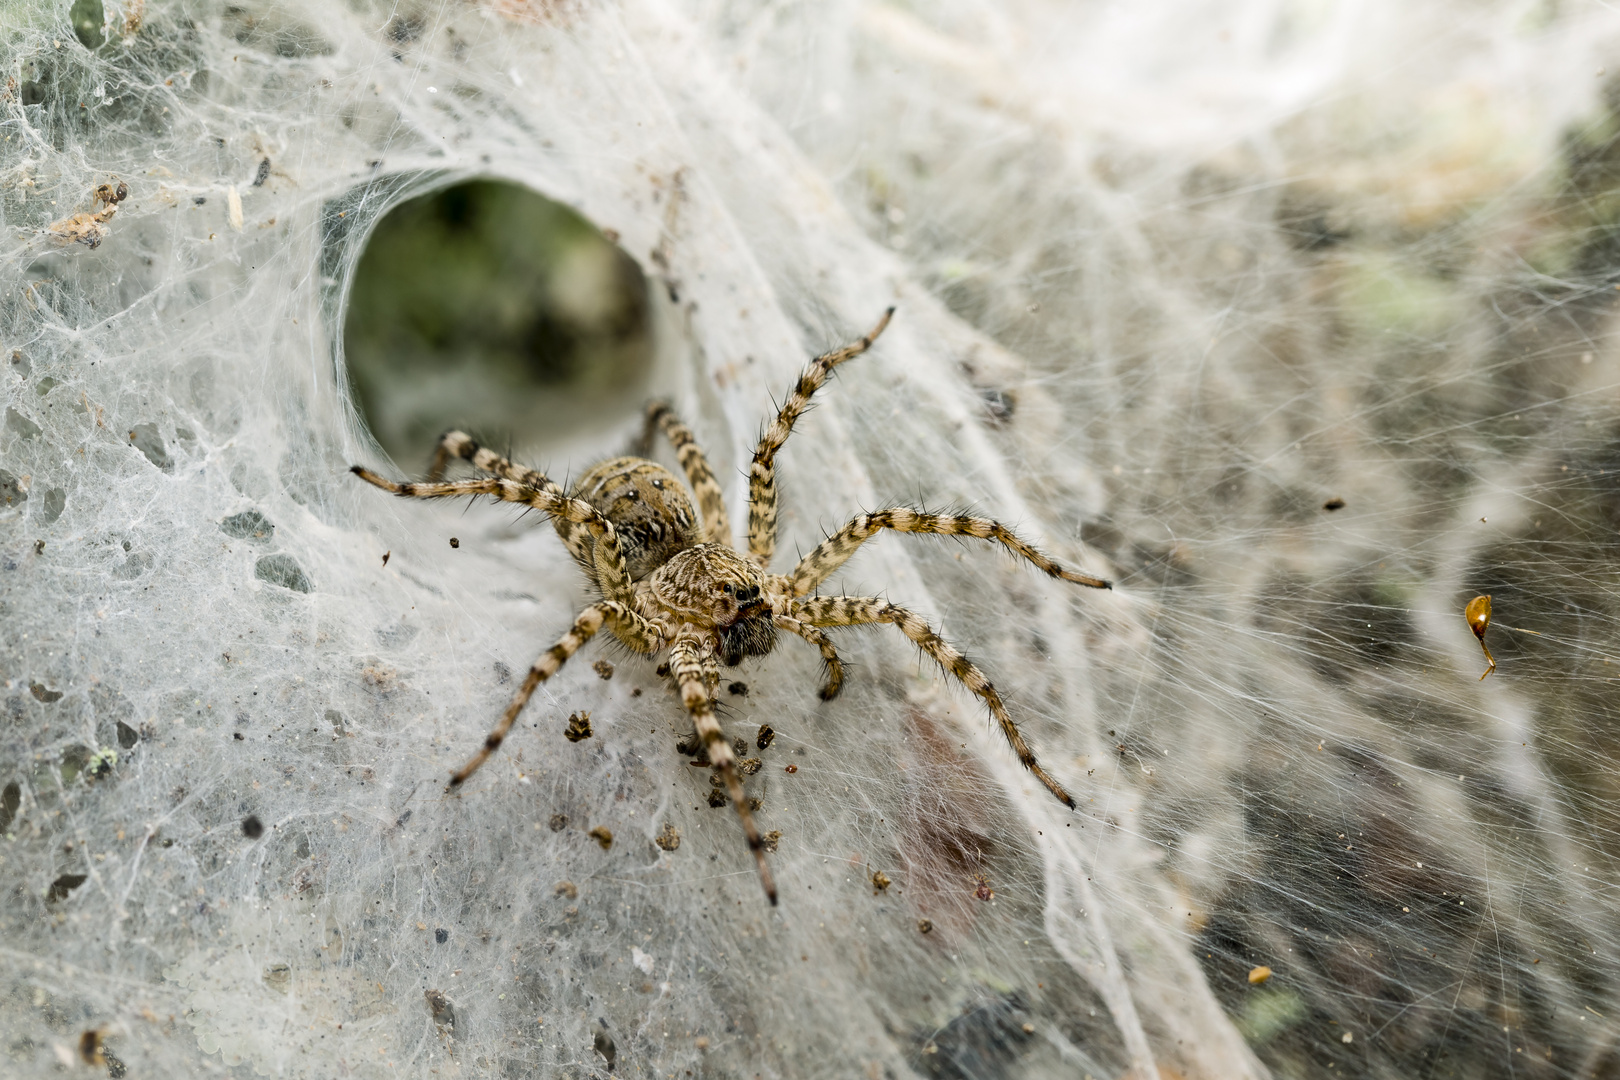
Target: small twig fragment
{"x": 579, "y": 727}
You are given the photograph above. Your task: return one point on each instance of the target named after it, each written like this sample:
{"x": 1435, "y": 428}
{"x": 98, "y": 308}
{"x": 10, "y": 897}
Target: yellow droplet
{"x": 1259, "y": 975}
{"x": 1478, "y": 614}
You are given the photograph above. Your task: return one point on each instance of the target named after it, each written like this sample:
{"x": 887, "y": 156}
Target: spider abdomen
{"x": 648, "y": 507}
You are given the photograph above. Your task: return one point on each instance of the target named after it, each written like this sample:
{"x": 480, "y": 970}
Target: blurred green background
{"x": 487, "y": 307}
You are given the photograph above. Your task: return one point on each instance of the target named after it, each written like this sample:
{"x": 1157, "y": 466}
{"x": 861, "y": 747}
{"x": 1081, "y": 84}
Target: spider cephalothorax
{"x": 711, "y": 587}
{"x": 667, "y": 583}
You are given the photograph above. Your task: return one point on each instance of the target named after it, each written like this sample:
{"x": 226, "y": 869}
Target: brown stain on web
{"x": 532, "y": 12}
{"x": 943, "y": 834}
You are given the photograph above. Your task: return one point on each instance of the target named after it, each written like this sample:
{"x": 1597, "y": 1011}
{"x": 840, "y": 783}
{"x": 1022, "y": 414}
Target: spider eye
{"x": 726, "y": 589}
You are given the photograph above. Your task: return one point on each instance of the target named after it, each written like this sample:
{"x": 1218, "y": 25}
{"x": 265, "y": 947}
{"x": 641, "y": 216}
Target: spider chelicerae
{"x": 669, "y": 577}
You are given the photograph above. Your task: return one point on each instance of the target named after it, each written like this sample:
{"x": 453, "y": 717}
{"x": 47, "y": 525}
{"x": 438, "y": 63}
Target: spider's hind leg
{"x": 458, "y": 444}
{"x": 865, "y": 610}
{"x": 629, "y": 627}
{"x": 604, "y": 561}
{"x": 711, "y": 500}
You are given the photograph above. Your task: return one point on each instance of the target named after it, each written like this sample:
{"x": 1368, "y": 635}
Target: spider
{"x": 669, "y": 577}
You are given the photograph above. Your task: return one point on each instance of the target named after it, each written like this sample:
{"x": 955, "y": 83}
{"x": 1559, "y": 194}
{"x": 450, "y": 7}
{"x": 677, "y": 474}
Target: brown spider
{"x": 668, "y": 582}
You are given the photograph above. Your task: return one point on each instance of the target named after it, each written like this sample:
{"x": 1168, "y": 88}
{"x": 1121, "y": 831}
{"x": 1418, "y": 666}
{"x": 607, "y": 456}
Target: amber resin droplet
{"x": 1478, "y": 614}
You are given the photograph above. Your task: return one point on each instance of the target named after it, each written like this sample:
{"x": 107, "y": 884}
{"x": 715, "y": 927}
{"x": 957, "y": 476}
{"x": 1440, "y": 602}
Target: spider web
{"x": 1293, "y": 319}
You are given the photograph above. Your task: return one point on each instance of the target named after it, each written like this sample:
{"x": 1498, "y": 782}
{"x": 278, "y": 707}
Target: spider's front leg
{"x": 686, "y": 664}
{"x": 834, "y": 667}
{"x": 837, "y": 549}
{"x": 629, "y": 627}
{"x": 865, "y": 610}
{"x": 711, "y": 675}
{"x": 762, "y": 473}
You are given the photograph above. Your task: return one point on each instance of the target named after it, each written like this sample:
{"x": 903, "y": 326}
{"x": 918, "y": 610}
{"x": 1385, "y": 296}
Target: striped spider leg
{"x": 833, "y": 667}
{"x": 762, "y": 473}
{"x": 688, "y": 659}
{"x": 803, "y": 617}
{"x": 458, "y": 444}
{"x": 616, "y": 611}
{"x": 865, "y": 610}
{"x": 711, "y": 500}
{"x": 605, "y": 560}
{"x": 837, "y": 549}
{"x": 637, "y": 633}
{"x": 833, "y": 552}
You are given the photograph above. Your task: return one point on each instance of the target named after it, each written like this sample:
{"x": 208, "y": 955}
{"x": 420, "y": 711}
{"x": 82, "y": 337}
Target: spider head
{"x": 749, "y": 630}
{"x": 714, "y": 587}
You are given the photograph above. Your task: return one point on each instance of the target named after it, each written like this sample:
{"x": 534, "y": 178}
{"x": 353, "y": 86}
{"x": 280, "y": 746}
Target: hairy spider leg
{"x": 612, "y": 576}
{"x": 762, "y": 473}
{"x": 865, "y": 610}
{"x": 834, "y": 667}
{"x": 686, "y": 664}
{"x": 460, "y": 444}
{"x": 711, "y": 674}
{"x": 836, "y": 550}
{"x": 711, "y": 500}
{"x": 626, "y": 625}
